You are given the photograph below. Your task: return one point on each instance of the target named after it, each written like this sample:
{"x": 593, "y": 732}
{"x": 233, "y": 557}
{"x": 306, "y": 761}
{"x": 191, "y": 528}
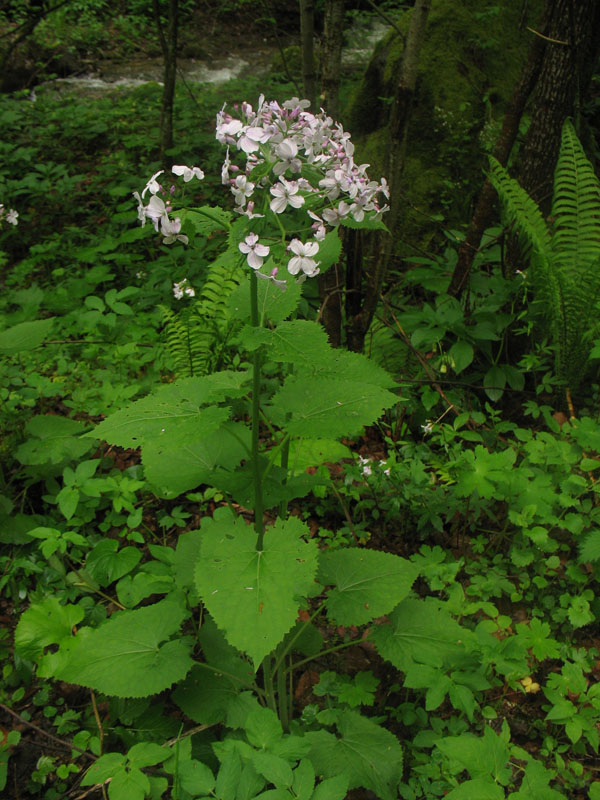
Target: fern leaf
{"x": 521, "y": 210}
{"x": 575, "y": 206}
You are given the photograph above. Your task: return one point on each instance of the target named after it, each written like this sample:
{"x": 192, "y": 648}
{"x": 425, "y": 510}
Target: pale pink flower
{"x": 303, "y": 260}
{"x": 188, "y": 172}
{"x": 254, "y": 251}
{"x": 285, "y": 193}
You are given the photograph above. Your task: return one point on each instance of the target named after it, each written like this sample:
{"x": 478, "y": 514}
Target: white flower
{"x": 170, "y": 230}
{"x": 181, "y": 288}
{"x": 242, "y": 188}
{"x": 11, "y": 217}
{"x": 152, "y": 186}
{"x": 303, "y": 259}
{"x": 285, "y": 193}
{"x": 254, "y": 251}
{"x": 188, "y": 172}
{"x": 428, "y": 427}
{"x": 155, "y": 210}
{"x": 287, "y": 151}
{"x": 252, "y": 138}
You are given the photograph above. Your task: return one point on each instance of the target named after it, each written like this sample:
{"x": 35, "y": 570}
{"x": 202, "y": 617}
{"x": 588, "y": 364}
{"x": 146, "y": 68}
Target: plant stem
{"x": 282, "y": 700}
{"x": 268, "y": 680}
{"x": 259, "y": 525}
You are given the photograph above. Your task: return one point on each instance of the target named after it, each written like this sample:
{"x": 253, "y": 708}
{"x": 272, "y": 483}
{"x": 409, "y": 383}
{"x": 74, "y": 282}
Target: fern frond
{"x": 575, "y": 206}
{"x": 521, "y": 210}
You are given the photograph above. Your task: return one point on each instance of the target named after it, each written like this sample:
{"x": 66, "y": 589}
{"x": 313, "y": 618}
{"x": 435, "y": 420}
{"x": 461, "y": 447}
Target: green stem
{"x": 269, "y": 689}
{"x": 281, "y": 654}
{"x": 282, "y": 700}
{"x": 259, "y": 525}
{"x": 322, "y": 653}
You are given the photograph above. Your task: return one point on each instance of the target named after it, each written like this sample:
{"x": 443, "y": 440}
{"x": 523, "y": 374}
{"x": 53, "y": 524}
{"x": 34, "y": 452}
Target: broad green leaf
{"x": 103, "y": 769}
{"x": 168, "y": 416}
{"x": 106, "y": 565}
{"x": 205, "y": 695}
{"x": 314, "y": 452}
{"x": 368, "y": 223}
{"x": 275, "y": 769}
{"x": 325, "y": 407}
{"x": 354, "y": 367}
{"x": 330, "y": 249}
{"x": 240, "y": 484}
{"x": 462, "y": 354}
{"x": 131, "y": 590}
{"x": 304, "y": 780}
{"x": 124, "y": 657}
{"x": 54, "y": 440}
{"x": 494, "y": 382}
{"x": 479, "y": 788}
{"x": 300, "y": 342}
{"x": 263, "y": 728}
{"x": 228, "y": 776}
{"x": 218, "y": 653}
{"x": 590, "y": 547}
{"x": 273, "y": 304}
{"x": 254, "y": 596}
{"x": 24, "y": 336}
{"x": 68, "y": 500}
{"x": 421, "y": 631}
{"x": 147, "y": 754}
{"x": 43, "y": 624}
{"x": 367, "y": 754}
{"x": 195, "y": 778}
{"x": 332, "y": 789}
{"x": 175, "y": 465}
{"x": 130, "y": 784}
{"x": 367, "y": 583}
{"x": 484, "y": 756}
{"x": 173, "y": 413}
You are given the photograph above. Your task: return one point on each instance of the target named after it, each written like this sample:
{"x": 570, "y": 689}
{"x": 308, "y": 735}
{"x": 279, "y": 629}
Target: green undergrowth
{"x": 449, "y": 648}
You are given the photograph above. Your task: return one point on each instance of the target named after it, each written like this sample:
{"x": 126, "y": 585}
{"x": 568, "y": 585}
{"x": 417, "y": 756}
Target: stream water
{"x": 139, "y": 71}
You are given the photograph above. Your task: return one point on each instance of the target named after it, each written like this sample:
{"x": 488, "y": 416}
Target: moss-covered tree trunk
{"x": 558, "y": 72}
{"x": 168, "y": 44}
{"x": 358, "y": 324}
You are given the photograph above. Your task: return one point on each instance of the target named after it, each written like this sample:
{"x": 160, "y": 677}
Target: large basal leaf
{"x": 313, "y": 452}
{"x": 174, "y": 466}
{"x": 369, "y": 755}
{"x": 173, "y": 413}
{"x": 354, "y": 367}
{"x": 254, "y": 596}
{"x": 420, "y": 631}
{"x": 205, "y": 695}
{"x": 274, "y": 304}
{"x": 325, "y": 407}
{"x": 367, "y": 583}
{"x": 125, "y": 656}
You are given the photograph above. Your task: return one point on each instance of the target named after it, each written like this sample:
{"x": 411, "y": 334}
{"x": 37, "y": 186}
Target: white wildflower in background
{"x": 427, "y": 428}
{"x": 303, "y": 259}
{"x": 11, "y": 216}
{"x": 188, "y": 172}
{"x": 183, "y": 288}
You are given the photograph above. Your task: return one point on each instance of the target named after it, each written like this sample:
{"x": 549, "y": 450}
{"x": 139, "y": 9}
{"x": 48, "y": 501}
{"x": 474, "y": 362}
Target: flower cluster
{"x": 296, "y": 163}
{"x": 304, "y": 159}
{"x": 10, "y": 216}
{"x": 366, "y": 465}
{"x": 183, "y": 288}
{"x": 157, "y": 210}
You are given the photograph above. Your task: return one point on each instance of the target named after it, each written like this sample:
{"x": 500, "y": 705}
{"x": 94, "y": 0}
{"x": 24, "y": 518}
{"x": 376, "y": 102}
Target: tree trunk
{"x": 168, "y": 44}
{"x": 510, "y": 128}
{"x": 569, "y": 59}
{"x": 307, "y": 33}
{"x": 331, "y": 56}
{"x": 358, "y": 324}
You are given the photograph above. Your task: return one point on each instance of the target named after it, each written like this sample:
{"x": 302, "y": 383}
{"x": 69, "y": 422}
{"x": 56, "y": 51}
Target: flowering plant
{"x": 298, "y": 184}
{"x": 10, "y": 216}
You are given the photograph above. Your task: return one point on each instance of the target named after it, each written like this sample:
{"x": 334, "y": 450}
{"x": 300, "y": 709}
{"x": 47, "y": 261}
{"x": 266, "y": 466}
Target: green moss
{"x": 471, "y": 59}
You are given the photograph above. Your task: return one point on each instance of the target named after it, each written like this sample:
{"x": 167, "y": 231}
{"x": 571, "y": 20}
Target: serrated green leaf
{"x": 43, "y": 624}
{"x": 240, "y": 484}
{"x": 535, "y": 784}
{"x": 354, "y": 367}
{"x": 275, "y": 769}
{"x": 228, "y": 776}
{"x": 325, "y": 407}
{"x": 206, "y": 219}
{"x": 131, "y": 590}
{"x": 130, "y": 784}
{"x": 253, "y": 596}
{"x": 330, "y": 249}
{"x": 420, "y": 631}
{"x": 103, "y": 769}
{"x": 305, "y": 453}
{"x": 304, "y": 780}
{"x": 590, "y": 547}
{"x": 273, "y": 304}
{"x": 300, "y": 342}
{"x": 367, "y": 583}
{"x": 263, "y": 728}
{"x": 176, "y": 465}
{"x": 124, "y": 657}
{"x": 205, "y": 695}
{"x": 24, "y": 336}
{"x": 367, "y": 754}
{"x": 147, "y": 754}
